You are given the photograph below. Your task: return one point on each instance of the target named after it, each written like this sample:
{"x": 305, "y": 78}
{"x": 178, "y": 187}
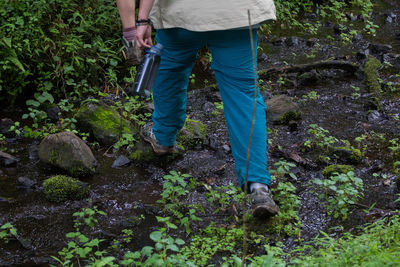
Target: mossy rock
{"x": 61, "y": 188}
{"x": 347, "y": 154}
{"x": 328, "y": 170}
{"x": 193, "y": 133}
{"x": 67, "y": 151}
{"x": 371, "y": 74}
{"x": 281, "y": 110}
{"x": 104, "y": 123}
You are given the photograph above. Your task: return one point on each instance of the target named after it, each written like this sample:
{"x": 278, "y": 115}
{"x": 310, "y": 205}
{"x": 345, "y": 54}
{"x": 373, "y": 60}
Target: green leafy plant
{"x": 164, "y": 252}
{"x": 395, "y": 147}
{"x": 219, "y": 108}
{"x": 283, "y": 168}
{"x": 16, "y": 128}
{"x": 7, "y": 231}
{"x": 286, "y": 221}
{"x": 376, "y": 245}
{"x": 82, "y": 249}
{"x": 125, "y": 140}
{"x": 313, "y": 95}
{"x": 210, "y": 241}
{"x": 54, "y": 46}
{"x": 174, "y": 188}
{"x": 340, "y": 190}
{"x": 356, "y": 93}
{"x": 224, "y": 196}
{"x": 320, "y": 138}
{"x": 192, "y": 78}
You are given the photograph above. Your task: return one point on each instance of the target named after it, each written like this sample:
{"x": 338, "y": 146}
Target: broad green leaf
{"x": 32, "y": 102}
{"x": 156, "y": 236}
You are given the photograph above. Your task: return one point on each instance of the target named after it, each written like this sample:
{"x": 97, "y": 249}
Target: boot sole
{"x": 263, "y": 211}
{"x": 155, "y": 149}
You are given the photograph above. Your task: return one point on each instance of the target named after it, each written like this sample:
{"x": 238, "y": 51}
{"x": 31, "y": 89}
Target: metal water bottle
{"x": 144, "y": 79}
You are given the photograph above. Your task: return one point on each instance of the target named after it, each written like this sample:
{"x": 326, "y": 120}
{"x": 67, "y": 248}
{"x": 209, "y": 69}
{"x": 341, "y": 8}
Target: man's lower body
{"x": 232, "y": 63}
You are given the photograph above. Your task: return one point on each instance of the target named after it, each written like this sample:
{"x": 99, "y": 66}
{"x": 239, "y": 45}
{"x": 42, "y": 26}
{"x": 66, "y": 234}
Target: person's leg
{"x": 233, "y": 67}
{"x": 170, "y": 87}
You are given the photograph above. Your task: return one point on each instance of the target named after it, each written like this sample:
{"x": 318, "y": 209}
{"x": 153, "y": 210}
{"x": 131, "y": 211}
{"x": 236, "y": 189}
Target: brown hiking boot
{"x": 148, "y": 136}
{"x": 262, "y": 203}
{"x": 132, "y": 54}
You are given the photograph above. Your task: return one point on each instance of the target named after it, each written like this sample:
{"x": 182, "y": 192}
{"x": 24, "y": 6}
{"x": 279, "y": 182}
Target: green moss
{"x": 54, "y": 157}
{"x": 346, "y": 153}
{"x": 81, "y": 171}
{"x": 356, "y": 155}
{"x": 61, "y": 188}
{"x": 287, "y": 117}
{"x": 371, "y": 75}
{"x": 337, "y": 168}
{"x": 107, "y": 118}
{"x": 104, "y": 122}
{"x": 193, "y": 133}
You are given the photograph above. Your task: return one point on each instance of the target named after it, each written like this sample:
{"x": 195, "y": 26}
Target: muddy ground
{"x": 128, "y": 192}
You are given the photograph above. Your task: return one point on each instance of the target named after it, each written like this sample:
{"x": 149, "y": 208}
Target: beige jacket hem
{"x": 210, "y": 15}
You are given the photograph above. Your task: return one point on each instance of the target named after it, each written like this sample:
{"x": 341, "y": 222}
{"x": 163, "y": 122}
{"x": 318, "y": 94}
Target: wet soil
{"x": 126, "y": 193}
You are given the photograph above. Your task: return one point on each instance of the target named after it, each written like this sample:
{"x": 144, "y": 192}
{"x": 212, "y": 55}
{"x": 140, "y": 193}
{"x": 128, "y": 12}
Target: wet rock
{"x": 104, "y": 123}
{"x": 208, "y": 107}
{"x": 310, "y": 15}
{"x": 380, "y": 49}
{"x": 329, "y": 170}
{"x": 392, "y": 59}
{"x": 362, "y": 54}
{"x": 33, "y": 152}
{"x": 390, "y": 18}
{"x": 351, "y": 16}
{"x": 278, "y": 42}
{"x": 25, "y": 182}
{"x": 347, "y": 154}
{"x": 371, "y": 75}
{"x": 375, "y": 117}
{"x": 3, "y": 199}
{"x": 53, "y": 114}
{"x": 396, "y": 62}
{"x": 120, "y": 162}
{"x": 309, "y": 78}
{"x": 226, "y": 148}
{"x": 68, "y": 152}
{"x": 357, "y": 38}
{"x": 25, "y": 243}
{"x": 213, "y": 142}
{"x": 192, "y": 134}
{"x": 61, "y": 188}
{"x": 292, "y": 41}
{"x": 370, "y": 105}
{"x": 397, "y": 36}
{"x": 311, "y": 42}
{"x": 264, "y": 57}
{"x": 5, "y": 124}
{"x": 6, "y": 160}
{"x": 281, "y": 109}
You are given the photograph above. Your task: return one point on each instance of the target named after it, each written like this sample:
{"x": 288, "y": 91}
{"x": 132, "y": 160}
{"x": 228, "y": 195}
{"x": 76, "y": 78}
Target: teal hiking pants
{"x": 232, "y": 63}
